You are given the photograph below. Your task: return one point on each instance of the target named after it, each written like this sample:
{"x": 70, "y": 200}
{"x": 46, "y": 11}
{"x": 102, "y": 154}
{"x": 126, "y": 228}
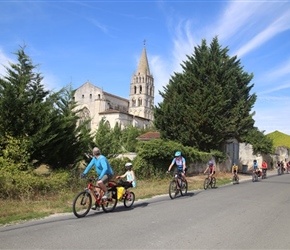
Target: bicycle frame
{"x": 209, "y": 181}
{"x": 177, "y": 184}
{"x": 93, "y": 194}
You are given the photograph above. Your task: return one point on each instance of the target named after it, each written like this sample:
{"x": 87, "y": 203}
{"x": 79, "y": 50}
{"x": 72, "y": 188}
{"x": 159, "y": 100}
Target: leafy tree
{"x": 46, "y": 121}
{"x": 22, "y": 98}
{"x": 129, "y": 135}
{"x": 103, "y": 138}
{"x": 69, "y": 140}
{"x": 25, "y": 107}
{"x": 260, "y": 142}
{"x": 208, "y": 102}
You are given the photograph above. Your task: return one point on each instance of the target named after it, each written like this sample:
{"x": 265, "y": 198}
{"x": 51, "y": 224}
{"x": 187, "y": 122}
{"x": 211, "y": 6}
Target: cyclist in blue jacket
{"x": 180, "y": 162}
{"x": 103, "y": 169}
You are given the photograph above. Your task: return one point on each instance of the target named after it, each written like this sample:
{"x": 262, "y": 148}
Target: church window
{"x": 84, "y": 116}
{"x": 134, "y": 103}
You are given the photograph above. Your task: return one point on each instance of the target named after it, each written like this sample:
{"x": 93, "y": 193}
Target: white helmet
{"x": 128, "y": 165}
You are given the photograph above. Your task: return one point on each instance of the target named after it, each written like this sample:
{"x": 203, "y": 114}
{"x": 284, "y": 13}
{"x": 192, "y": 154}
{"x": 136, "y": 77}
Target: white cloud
{"x": 160, "y": 74}
{"x": 281, "y": 71}
{"x": 278, "y": 26}
{"x": 4, "y": 61}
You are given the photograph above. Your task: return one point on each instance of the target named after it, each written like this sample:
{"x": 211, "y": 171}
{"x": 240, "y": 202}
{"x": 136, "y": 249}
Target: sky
{"x": 73, "y": 42}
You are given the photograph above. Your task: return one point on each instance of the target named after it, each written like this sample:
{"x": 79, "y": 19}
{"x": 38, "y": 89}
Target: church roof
{"x": 143, "y": 67}
{"x": 149, "y": 136}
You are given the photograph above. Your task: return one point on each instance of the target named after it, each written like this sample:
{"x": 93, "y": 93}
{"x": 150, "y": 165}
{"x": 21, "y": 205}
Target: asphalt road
{"x": 244, "y": 216}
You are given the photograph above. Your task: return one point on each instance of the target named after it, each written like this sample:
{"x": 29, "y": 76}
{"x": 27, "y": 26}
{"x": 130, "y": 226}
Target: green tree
{"x": 46, "y": 121}
{"x": 25, "y": 106}
{"x": 208, "y": 102}
{"x": 22, "y": 98}
{"x": 260, "y": 142}
{"x": 69, "y": 140}
{"x": 103, "y": 138}
{"x": 129, "y": 135}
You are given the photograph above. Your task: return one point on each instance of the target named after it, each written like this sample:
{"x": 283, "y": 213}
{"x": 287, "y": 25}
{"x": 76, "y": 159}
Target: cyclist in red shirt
{"x": 264, "y": 167}
{"x": 211, "y": 169}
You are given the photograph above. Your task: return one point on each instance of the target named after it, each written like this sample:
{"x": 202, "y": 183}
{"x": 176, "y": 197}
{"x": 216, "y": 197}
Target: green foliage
{"x": 18, "y": 184}
{"x": 129, "y": 135}
{"x": 212, "y": 100}
{"x": 279, "y": 139}
{"x": 69, "y": 141}
{"x": 14, "y": 151}
{"x": 118, "y": 165}
{"x": 46, "y": 122}
{"x": 103, "y": 138}
{"x": 154, "y": 157}
{"x": 260, "y": 142}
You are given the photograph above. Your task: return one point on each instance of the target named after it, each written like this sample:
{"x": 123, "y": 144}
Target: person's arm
{"x": 133, "y": 176}
{"x": 121, "y": 176}
{"x": 205, "y": 170}
{"x": 172, "y": 163}
{"x": 184, "y": 165}
{"x": 104, "y": 165}
{"x": 89, "y": 166}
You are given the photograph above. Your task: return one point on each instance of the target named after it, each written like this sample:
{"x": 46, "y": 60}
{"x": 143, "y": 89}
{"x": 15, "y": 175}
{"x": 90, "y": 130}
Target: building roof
{"x": 149, "y": 136}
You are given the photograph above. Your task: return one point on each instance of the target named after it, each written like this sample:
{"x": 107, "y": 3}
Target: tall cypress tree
{"x": 209, "y": 102}
{"x": 47, "y": 120}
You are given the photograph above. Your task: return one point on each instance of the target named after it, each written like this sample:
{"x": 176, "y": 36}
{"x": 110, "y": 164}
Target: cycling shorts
{"x": 106, "y": 178}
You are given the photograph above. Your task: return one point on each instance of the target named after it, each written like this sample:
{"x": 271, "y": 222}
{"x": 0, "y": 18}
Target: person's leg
{"x": 102, "y": 184}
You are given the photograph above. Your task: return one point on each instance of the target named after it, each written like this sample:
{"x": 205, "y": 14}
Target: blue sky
{"x": 101, "y": 42}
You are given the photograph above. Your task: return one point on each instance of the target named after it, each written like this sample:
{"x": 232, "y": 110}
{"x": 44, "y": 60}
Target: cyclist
{"x": 256, "y": 168}
{"x": 180, "y": 162}
{"x": 103, "y": 169}
{"x": 235, "y": 170}
{"x": 264, "y": 167}
{"x": 211, "y": 169}
{"x": 130, "y": 175}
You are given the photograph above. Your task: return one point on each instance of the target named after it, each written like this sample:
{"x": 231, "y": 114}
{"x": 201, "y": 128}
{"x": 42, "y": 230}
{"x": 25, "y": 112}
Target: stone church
{"x": 137, "y": 111}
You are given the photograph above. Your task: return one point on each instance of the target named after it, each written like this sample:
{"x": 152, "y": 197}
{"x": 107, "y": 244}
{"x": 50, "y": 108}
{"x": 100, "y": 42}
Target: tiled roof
{"x": 149, "y": 136}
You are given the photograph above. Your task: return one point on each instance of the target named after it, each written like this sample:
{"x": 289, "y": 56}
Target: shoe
{"x": 105, "y": 196}
{"x": 95, "y": 207}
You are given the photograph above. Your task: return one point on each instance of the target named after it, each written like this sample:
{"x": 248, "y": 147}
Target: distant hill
{"x": 279, "y": 139}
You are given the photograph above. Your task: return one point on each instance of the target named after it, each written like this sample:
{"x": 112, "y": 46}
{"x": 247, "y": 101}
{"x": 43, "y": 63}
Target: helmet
{"x": 128, "y": 165}
{"x": 177, "y": 153}
{"x": 210, "y": 163}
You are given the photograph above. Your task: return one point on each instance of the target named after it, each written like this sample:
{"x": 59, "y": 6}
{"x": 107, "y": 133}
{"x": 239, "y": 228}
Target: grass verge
{"x": 15, "y": 211}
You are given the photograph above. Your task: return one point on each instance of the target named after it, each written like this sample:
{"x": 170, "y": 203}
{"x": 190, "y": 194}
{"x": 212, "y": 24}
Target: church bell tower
{"x": 142, "y": 89}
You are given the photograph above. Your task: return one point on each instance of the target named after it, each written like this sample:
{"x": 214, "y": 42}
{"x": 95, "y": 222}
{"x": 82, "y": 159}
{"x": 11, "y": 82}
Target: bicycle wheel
{"x": 173, "y": 191}
{"x": 213, "y": 182}
{"x": 82, "y": 204}
{"x": 237, "y": 180}
{"x": 110, "y": 204}
{"x": 129, "y": 199}
{"x": 205, "y": 184}
{"x": 184, "y": 187}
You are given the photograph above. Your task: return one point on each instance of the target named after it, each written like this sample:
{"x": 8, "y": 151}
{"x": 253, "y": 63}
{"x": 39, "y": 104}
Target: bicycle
{"x": 264, "y": 173}
{"x": 209, "y": 181}
{"x": 127, "y": 196}
{"x": 235, "y": 179}
{"x": 177, "y": 185}
{"x": 82, "y": 202}
{"x": 255, "y": 176}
